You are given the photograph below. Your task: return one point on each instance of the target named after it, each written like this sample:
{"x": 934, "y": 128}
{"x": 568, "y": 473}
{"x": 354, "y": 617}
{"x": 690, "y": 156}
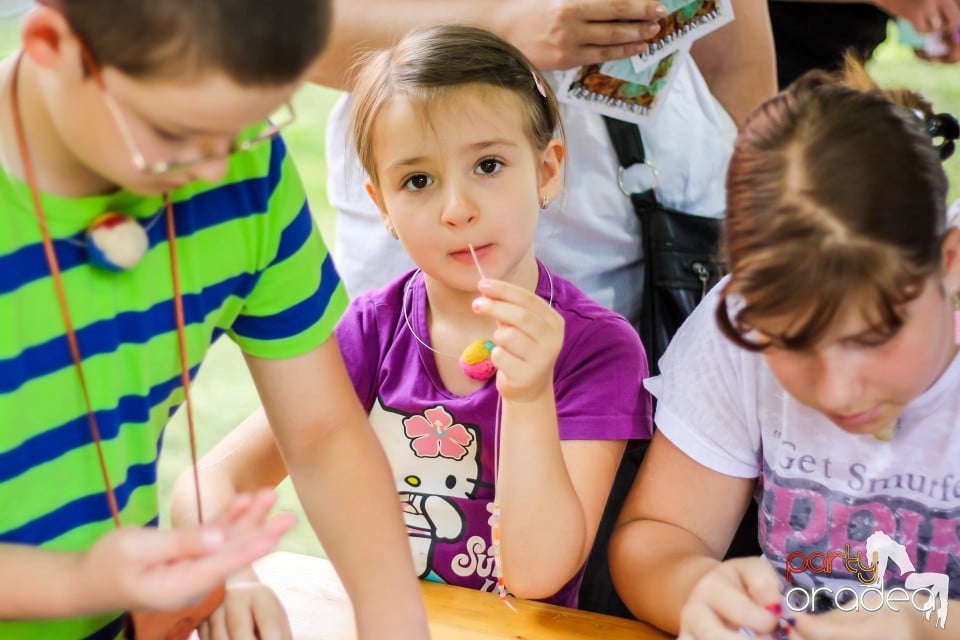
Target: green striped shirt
{"x": 252, "y": 265}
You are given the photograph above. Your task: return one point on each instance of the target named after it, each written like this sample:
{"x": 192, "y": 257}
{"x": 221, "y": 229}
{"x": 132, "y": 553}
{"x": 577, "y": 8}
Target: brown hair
{"x": 427, "y": 63}
{"x": 835, "y": 195}
{"x": 253, "y": 42}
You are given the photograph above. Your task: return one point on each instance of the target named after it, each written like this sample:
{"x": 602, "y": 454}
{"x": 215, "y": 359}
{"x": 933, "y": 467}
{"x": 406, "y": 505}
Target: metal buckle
{"x": 654, "y": 177}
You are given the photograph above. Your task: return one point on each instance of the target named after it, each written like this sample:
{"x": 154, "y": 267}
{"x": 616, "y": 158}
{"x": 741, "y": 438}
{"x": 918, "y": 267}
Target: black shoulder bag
{"x": 681, "y": 263}
{"x": 680, "y": 253}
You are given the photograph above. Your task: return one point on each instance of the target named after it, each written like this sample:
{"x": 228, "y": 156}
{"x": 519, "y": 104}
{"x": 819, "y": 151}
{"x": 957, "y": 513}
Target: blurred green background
{"x": 224, "y": 394}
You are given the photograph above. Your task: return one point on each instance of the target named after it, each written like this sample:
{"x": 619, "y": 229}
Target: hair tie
{"x": 945, "y": 127}
{"x": 540, "y": 89}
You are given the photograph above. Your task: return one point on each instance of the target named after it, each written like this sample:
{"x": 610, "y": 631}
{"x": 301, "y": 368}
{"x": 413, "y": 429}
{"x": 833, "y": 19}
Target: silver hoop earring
{"x": 544, "y": 202}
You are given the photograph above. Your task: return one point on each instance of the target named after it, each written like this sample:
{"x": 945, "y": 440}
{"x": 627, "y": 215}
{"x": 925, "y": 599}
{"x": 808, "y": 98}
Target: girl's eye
{"x": 166, "y": 136}
{"x": 872, "y": 341}
{"x": 418, "y": 182}
{"x": 489, "y": 166}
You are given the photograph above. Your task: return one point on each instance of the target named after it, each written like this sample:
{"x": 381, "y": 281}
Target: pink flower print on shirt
{"x": 435, "y": 434}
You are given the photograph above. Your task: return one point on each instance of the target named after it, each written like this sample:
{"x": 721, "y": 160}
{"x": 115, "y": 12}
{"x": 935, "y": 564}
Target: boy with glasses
{"x": 147, "y": 206}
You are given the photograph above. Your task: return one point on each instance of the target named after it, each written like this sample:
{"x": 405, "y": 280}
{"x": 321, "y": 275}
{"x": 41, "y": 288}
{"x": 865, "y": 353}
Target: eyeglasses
{"x": 249, "y": 139}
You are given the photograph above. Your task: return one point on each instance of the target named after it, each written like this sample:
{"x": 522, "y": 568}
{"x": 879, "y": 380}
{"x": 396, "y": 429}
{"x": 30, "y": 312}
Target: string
{"x": 406, "y": 313}
{"x": 71, "y": 334}
{"x": 495, "y": 512}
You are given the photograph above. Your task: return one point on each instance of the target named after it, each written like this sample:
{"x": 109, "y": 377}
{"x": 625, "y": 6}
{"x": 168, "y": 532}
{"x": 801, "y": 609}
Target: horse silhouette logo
{"x": 881, "y": 549}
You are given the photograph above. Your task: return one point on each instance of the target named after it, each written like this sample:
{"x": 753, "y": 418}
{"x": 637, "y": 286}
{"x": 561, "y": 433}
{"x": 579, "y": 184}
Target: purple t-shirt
{"x": 441, "y": 445}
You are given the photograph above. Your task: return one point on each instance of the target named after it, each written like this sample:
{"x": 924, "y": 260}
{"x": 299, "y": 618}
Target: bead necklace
{"x": 475, "y": 358}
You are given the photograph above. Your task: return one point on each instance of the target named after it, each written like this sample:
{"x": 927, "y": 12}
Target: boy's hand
{"x": 528, "y": 339}
{"x": 251, "y": 611}
{"x": 734, "y": 595}
{"x": 148, "y": 568}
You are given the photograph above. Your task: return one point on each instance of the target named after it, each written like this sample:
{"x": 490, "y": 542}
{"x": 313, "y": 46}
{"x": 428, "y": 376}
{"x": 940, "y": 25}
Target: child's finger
{"x": 761, "y": 584}
{"x": 203, "y": 572}
{"x": 237, "y": 506}
{"x": 533, "y": 322}
{"x": 514, "y": 341}
{"x": 255, "y": 508}
{"x": 507, "y": 292}
{"x": 709, "y": 626}
{"x": 737, "y": 609}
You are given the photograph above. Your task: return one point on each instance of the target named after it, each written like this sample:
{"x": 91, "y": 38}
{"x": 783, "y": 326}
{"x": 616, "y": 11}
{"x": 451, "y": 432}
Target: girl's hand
{"x": 907, "y": 624}
{"x": 740, "y": 593}
{"x": 149, "y": 568}
{"x": 528, "y": 339}
{"x": 250, "y": 611}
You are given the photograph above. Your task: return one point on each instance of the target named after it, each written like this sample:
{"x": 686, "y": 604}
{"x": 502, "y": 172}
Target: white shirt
{"x": 820, "y": 487}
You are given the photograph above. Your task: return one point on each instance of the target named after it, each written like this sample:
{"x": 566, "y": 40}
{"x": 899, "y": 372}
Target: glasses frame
{"x": 164, "y": 167}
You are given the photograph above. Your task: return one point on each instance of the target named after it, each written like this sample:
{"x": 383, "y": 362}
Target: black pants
{"x": 597, "y": 592}
{"x": 814, "y": 35}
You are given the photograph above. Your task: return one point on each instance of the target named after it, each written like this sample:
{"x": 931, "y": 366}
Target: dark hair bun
{"x": 943, "y": 128}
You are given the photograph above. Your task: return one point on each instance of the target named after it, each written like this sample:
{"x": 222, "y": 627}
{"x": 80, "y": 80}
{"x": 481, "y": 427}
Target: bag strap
{"x": 628, "y": 144}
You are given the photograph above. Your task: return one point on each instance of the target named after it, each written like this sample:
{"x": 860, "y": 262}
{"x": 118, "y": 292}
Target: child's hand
{"x": 148, "y": 568}
{"x": 528, "y": 339}
{"x": 907, "y": 623}
{"x": 250, "y": 610}
{"x": 739, "y": 593}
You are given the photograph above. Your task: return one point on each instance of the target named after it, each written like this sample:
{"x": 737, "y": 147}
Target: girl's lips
{"x": 855, "y": 419}
{"x": 465, "y": 256}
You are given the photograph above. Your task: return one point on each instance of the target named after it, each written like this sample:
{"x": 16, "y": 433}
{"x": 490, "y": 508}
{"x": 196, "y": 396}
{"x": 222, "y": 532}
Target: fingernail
{"x": 661, "y": 11}
{"x": 654, "y": 29}
{"x": 485, "y": 285}
{"x": 212, "y": 538}
{"x": 479, "y": 303}
{"x": 775, "y": 609}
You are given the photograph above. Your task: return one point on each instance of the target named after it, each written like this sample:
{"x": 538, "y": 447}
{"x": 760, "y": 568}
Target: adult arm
{"x": 737, "y": 60}
{"x": 342, "y": 479}
{"x": 675, "y": 527}
{"x": 554, "y": 34}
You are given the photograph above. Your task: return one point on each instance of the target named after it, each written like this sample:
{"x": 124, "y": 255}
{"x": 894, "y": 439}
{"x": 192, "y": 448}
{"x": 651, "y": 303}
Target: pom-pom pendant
{"x": 116, "y": 242}
{"x": 475, "y": 360}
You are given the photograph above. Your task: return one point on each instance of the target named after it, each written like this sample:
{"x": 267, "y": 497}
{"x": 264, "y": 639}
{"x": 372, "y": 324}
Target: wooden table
{"x": 319, "y": 609}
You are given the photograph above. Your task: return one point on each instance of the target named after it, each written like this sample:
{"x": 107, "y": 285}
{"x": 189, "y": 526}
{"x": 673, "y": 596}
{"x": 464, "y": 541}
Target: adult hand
{"x": 528, "y": 339}
{"x": 927, "y": 16}
{"x": 250, "y": 611}
{"x": 951, "y": 48}
{"x": 740, "y": 593}
{"x": 149, "y": 568}
{"x": 561, "y": 34}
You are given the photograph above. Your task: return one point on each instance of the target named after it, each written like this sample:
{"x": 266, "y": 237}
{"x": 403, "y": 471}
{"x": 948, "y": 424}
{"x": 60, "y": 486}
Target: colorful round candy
{"x": 116, "y": 242}
{"x": 475, "y": 360}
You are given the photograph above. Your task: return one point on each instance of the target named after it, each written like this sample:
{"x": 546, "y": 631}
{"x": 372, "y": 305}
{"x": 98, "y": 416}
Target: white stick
{"x": 476, "y": 261}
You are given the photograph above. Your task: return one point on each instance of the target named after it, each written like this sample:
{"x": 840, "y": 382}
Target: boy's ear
{"x": 43, "y": 33}
{"x": 551, "y": 169}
